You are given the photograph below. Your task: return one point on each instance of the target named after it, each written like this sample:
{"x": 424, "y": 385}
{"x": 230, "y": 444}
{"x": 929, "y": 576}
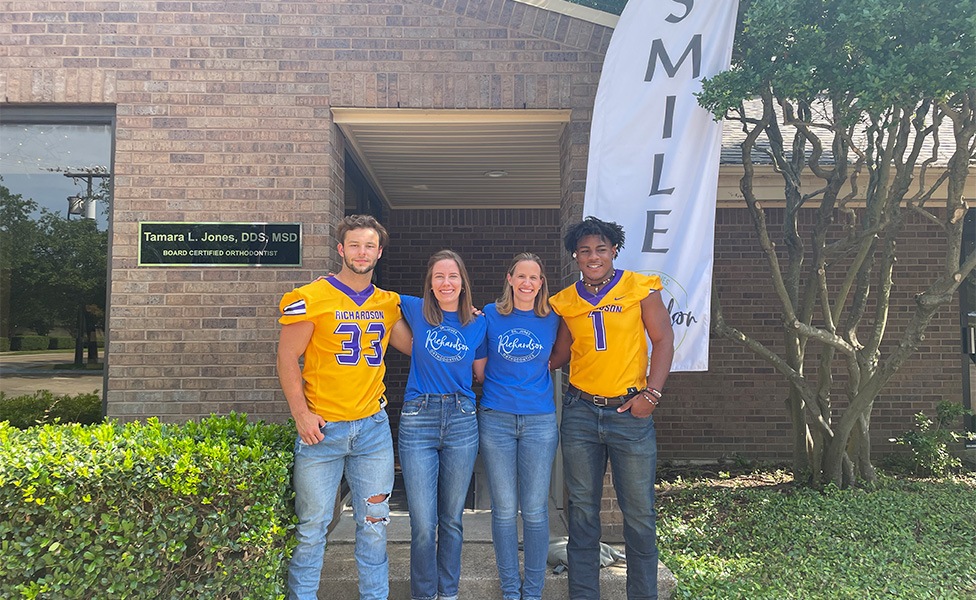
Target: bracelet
{"x": 651, "y": 395}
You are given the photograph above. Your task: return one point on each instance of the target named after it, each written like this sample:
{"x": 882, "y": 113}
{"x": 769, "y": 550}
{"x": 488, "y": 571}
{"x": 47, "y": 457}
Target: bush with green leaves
{"x": 29, "y": 342}
{"x": 44, "y": 406}
{"x": 146, "y": 510}
{"x": 4, "y": 344}
{"x": 60, "y": 342}
{"x": 929, "y": 441}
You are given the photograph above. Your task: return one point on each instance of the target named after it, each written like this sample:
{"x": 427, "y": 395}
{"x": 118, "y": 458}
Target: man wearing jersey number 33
{"x": 607, "y": 410}
{"x": 342, "y": 325}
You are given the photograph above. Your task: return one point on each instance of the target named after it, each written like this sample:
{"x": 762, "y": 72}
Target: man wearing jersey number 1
{"x": 607, "y": 410}
{"x": 342, "y": 325}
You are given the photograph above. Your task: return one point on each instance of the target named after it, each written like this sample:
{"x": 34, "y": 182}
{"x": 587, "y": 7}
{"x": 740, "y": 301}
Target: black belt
{"x": 609, "y": 401}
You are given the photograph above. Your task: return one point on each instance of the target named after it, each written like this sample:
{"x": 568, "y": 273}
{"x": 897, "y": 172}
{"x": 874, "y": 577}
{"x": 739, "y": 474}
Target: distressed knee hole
{"x": 378, "y": 509}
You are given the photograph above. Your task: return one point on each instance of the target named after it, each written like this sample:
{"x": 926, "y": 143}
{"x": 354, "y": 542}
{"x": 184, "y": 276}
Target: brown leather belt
{"x": 612, "y": 401}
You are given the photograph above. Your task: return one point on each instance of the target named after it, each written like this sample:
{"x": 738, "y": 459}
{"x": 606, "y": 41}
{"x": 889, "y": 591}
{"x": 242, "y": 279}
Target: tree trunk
{"x": 80, "y": 338}
{"x": 859, "y": 449}
{"x": 832, "y": 470}
{"x": 801, "y": 435}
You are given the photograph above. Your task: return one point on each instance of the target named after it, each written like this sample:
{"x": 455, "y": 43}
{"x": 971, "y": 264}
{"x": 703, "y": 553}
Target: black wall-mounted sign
{"x": 167, "y": 244}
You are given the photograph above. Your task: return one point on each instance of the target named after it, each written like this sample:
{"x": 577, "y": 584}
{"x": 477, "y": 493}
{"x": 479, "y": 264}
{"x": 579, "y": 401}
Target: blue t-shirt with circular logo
{"x": 517, "y": 378}
{"x": 442, "y": 356}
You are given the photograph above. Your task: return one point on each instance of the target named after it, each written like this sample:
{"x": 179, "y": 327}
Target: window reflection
{"x": 49, "y": 163}
{"x": 53, "y": 264}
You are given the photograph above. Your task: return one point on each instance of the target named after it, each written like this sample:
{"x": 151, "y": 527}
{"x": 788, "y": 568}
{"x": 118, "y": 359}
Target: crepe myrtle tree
{"x": 865, "y": 109}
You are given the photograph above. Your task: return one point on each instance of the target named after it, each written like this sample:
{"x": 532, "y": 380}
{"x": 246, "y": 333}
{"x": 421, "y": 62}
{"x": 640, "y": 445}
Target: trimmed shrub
{"x": 60, "y": 343}
{"x": 4, "y": 344}
{"x": 146, "y": 510}
{"x": 29, "y": 342}
{"x": 43, "y": 407}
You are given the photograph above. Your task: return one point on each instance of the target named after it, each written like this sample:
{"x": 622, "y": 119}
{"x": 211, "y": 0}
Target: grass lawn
{"x": 758, "y": 536}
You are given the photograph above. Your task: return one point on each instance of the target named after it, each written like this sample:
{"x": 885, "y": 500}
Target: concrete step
{"x": 479, "y": 576}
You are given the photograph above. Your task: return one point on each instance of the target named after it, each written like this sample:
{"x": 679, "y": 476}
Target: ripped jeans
{"x": 363, "y": 450}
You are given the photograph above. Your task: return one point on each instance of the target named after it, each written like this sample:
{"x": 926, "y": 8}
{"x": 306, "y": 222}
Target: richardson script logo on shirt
{"x": 519, "y": 345}
{"x": 446, "y": 344}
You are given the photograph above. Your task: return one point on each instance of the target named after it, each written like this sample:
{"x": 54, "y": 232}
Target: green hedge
{"x": 60, "y": 342}
{"x": 29, "y": 342}
{"x": 200, "y": 510}
{"x": 4, "y": 344}
{"x": 45, "y": 407}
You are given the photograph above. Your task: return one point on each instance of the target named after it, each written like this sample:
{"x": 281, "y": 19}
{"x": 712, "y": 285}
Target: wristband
{"x": 651, "y": 395}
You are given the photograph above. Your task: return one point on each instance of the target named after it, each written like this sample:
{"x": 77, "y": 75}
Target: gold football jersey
{"x": 344, "y": 364}
{"x": 609, "y": 351}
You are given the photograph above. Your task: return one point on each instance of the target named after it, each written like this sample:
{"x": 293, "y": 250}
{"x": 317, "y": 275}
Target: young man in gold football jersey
{"x": 607, "y": 411}
{"x": 342, "y": 325}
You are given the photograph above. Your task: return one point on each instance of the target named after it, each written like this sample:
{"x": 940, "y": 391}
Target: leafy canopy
{"x": 879, "y": 52}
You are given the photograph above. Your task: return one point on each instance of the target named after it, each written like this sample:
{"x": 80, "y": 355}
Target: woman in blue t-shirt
{"x": 517, "y": 423}
{"x": 438, "y": 431}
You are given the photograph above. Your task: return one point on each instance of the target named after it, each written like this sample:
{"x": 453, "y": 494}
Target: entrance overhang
{"x": 423, "y": 159}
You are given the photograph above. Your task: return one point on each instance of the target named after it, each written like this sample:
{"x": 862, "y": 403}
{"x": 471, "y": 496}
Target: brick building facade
{"x": 223, "y": 112}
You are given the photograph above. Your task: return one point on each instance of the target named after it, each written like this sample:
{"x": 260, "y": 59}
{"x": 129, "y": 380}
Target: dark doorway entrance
{"x": 485, "y": 183}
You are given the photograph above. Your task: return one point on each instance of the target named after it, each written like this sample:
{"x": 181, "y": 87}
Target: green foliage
{"x": 877, "y": 52}
{"x": 60, "y": 342}
{"x": 4, "y": 344}
{"x": 29, "y": 342}
{"x": 146, "y": 510}
{"x": 929, "y": 441}
{"x": 903, "y": 539}
{"x": 18, "y": 233}
{"x": 55, "y": 266}
{"x": 44, "y": 407}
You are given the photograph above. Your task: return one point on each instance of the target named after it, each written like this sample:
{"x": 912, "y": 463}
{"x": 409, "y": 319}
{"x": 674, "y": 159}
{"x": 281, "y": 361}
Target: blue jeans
{"x": 363, "y": 450}
{"x": 591, "y": 434}
{"x": 518, "y": 451}
{"x": 438, "y": 442}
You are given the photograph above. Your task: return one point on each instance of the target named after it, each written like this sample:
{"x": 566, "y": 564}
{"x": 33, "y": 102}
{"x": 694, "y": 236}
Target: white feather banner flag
{"x": 654, "y": 153}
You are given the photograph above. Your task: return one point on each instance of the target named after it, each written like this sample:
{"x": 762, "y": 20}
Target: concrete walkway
{"x": 479, "y": 575}
{"x": 22, "y": 374}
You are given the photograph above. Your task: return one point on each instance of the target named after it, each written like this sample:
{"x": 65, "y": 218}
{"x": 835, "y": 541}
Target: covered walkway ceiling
{"x": 458, "y": 158}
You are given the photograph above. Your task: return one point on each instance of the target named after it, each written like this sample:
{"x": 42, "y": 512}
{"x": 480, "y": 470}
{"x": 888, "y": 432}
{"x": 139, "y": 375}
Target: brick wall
{"x": 223, "y": 114}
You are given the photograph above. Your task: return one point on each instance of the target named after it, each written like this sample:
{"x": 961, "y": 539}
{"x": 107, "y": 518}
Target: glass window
{"x": 55, "y": 165}
{"x": 48, "y": 163}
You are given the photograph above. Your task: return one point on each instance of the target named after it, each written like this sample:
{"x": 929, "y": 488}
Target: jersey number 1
{"x": 599, "y": 331}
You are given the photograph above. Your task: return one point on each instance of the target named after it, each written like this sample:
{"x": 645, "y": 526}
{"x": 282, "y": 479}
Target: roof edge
{"x": 583, "y": 13}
